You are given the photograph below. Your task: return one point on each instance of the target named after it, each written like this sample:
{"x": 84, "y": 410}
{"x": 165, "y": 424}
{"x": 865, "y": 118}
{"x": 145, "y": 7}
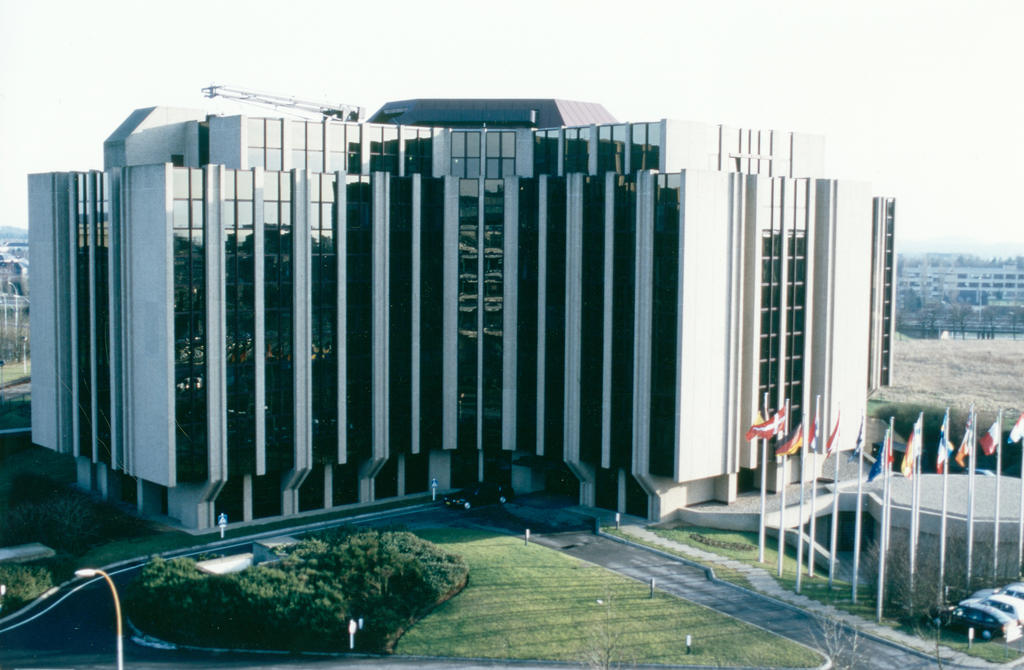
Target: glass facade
{"x": 419, "y": 151}
{"x": 383, "y": 148}
{"x": 359, "y": 316}
{"x": 265, "y": 142}
{"x": 432, "y": 335}
{"x": 493, "y": 310}
{"x": 592, "y": 320}
{"x": 545, "y": 152}
{"x": 189, "y": 326}
{"x": 664, "y": 326}
{"x": 400, "y": 317}
{"x": 623, "y": 315}
{"x": 645, "y": 148}
{"x": 554, "y": 336}
{"x": 278, "y": 287}
{"x": 469, "y": 310}
{"x": 528, "y": 281}
{"x": 240, "y": 320}
{"x": 500, "y": 153}
{"x": 465, "y": 154}
{"x": 611, "y": 148}
{"x": 577, "y": 150}
{"x": 324, "y": 316}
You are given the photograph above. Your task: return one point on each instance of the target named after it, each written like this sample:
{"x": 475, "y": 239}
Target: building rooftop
{"x": 505, "y": 112}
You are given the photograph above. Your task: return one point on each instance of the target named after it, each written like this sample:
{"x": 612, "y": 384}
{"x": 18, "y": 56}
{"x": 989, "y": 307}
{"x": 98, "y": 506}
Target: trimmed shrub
{"x": 304, "y": 602}
{"x": 24, "y": 583}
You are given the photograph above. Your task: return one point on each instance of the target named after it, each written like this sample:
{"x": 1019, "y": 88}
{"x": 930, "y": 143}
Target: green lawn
{"x": 529, "y": 602}
{"x": 815, "y": 587}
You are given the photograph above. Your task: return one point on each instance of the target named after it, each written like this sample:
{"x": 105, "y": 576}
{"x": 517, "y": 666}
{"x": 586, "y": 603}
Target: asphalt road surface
{"x": 75, "y": 629}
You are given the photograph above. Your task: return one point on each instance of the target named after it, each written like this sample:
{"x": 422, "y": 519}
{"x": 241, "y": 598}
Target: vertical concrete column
{"x": 642, "y": 328}
{"x": 620, "y": 480}
{"x": 417, "y": 306}
{"x": 439, "y": 464}
{"x": 259, "y": 319}
{"x": 216, "y": 363}
{"x": 606, "y": 319}
{"x": 510, "y": 315}
{"x": 450, "y": 313}
{"x": 400, "y": 468}
{"x": 480, "y": 308}
{"x": 542, "y": 303}
{"x": 91, "y": 204}
{"x": 328, "y": 486}
{"x": 247, "y": 497}
{"x": 70, "y": 261}
{"x": 302, "y": 453}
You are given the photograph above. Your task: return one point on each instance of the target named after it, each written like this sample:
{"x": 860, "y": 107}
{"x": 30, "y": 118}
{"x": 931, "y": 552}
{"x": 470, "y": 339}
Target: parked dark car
{"x": 986, "y": 621}
{"x": 482, "y": 493}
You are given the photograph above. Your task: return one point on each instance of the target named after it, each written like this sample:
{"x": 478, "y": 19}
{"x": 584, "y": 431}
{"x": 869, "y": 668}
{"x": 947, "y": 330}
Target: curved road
{"x": 75, "y": 628}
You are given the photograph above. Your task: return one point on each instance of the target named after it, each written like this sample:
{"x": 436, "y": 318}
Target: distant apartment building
{"x": 942, "y": 280}
{"x": 263, "y": 317}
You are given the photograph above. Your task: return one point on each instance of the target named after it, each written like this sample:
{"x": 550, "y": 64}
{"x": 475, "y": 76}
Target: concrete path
{"x": 763, "y": 581}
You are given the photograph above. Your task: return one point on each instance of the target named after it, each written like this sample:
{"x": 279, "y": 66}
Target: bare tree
{"x": 839, "y": 643}
{"x": 604, "y": 650}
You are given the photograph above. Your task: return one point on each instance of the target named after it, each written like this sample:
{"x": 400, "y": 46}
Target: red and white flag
{"x": 833, "y": 438}
{"x": 766, "y": 429}
{"x": 1017, "y": 432}
{"x": 990, "y": 440}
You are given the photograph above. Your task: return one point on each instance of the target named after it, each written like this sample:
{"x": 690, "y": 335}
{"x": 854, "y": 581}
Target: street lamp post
{"x": 92, "y": 572}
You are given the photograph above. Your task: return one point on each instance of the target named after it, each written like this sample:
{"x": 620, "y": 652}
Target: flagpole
{"x": 835, "y": 510}
{"x": 884, "y": 545}
{"x": 971, "y": 420}
{"x": 814, "y": 485}
{"x": 1020, "y": 512}
{"x": 999, "y": 476}
{"x": 800, "y": 519}
{"x": 782, "y": 505}
{"x": 944, "y": 446}
{"x": 915, "y": 490}
{"x": 857, "y": 515}
{"x": 764, "y": 487}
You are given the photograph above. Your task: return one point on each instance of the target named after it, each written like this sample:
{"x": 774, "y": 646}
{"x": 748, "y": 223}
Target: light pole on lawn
{"x": 92, "y": 572}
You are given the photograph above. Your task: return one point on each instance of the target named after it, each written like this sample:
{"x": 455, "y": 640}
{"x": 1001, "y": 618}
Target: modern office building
{"x": 263, "y": 316}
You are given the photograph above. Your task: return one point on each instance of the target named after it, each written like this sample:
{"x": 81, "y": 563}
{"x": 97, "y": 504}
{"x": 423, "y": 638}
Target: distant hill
{"x": 962, "y": 245}
{"x": 13, "y": 234}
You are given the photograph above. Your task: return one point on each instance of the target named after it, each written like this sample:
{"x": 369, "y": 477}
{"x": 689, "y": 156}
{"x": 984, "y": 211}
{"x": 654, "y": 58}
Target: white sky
{"x": 923, "y": 99}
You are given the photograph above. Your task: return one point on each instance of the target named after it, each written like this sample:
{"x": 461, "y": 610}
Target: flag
{"x": 1017, "y": 432}
{"x": 833, "y": 438}
{"x": 814, "y": 433}
{"x": 945, "y": 448}
{"x": 965, "y": 444}
{"x": 764, "y": 429}
{"x": 876, "y": 469}
{"x": 913, "y": 445}
{"x": 859, "y": 444}
{"x": 792, "y": 443}
{"x": 989, "y": 439}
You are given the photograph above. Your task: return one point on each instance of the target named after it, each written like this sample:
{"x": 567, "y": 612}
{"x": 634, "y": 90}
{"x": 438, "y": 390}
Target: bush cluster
{"x": 303, "y": 602}
{"x": 67, "y": 520}
{"x": 24, "y": 584}
{"x": 721, "y": 544}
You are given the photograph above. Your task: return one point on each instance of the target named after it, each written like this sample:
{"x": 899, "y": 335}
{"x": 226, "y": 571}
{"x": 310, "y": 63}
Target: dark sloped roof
{"x": 506, "y": 112}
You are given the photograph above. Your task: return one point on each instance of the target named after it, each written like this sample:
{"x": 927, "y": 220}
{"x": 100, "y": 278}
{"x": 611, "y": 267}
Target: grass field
{"x": 957, "y": 372}
{"x": 529, "y": 602}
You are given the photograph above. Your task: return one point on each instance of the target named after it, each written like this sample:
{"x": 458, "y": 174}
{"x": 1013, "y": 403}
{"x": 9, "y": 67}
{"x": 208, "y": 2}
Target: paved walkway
{"x": 763, "y": 581}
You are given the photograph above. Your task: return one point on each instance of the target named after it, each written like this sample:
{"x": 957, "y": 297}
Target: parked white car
{"x": 1010, "y": 605}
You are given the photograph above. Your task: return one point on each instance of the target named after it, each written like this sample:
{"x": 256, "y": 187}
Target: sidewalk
{"x": 762, "y": 581}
